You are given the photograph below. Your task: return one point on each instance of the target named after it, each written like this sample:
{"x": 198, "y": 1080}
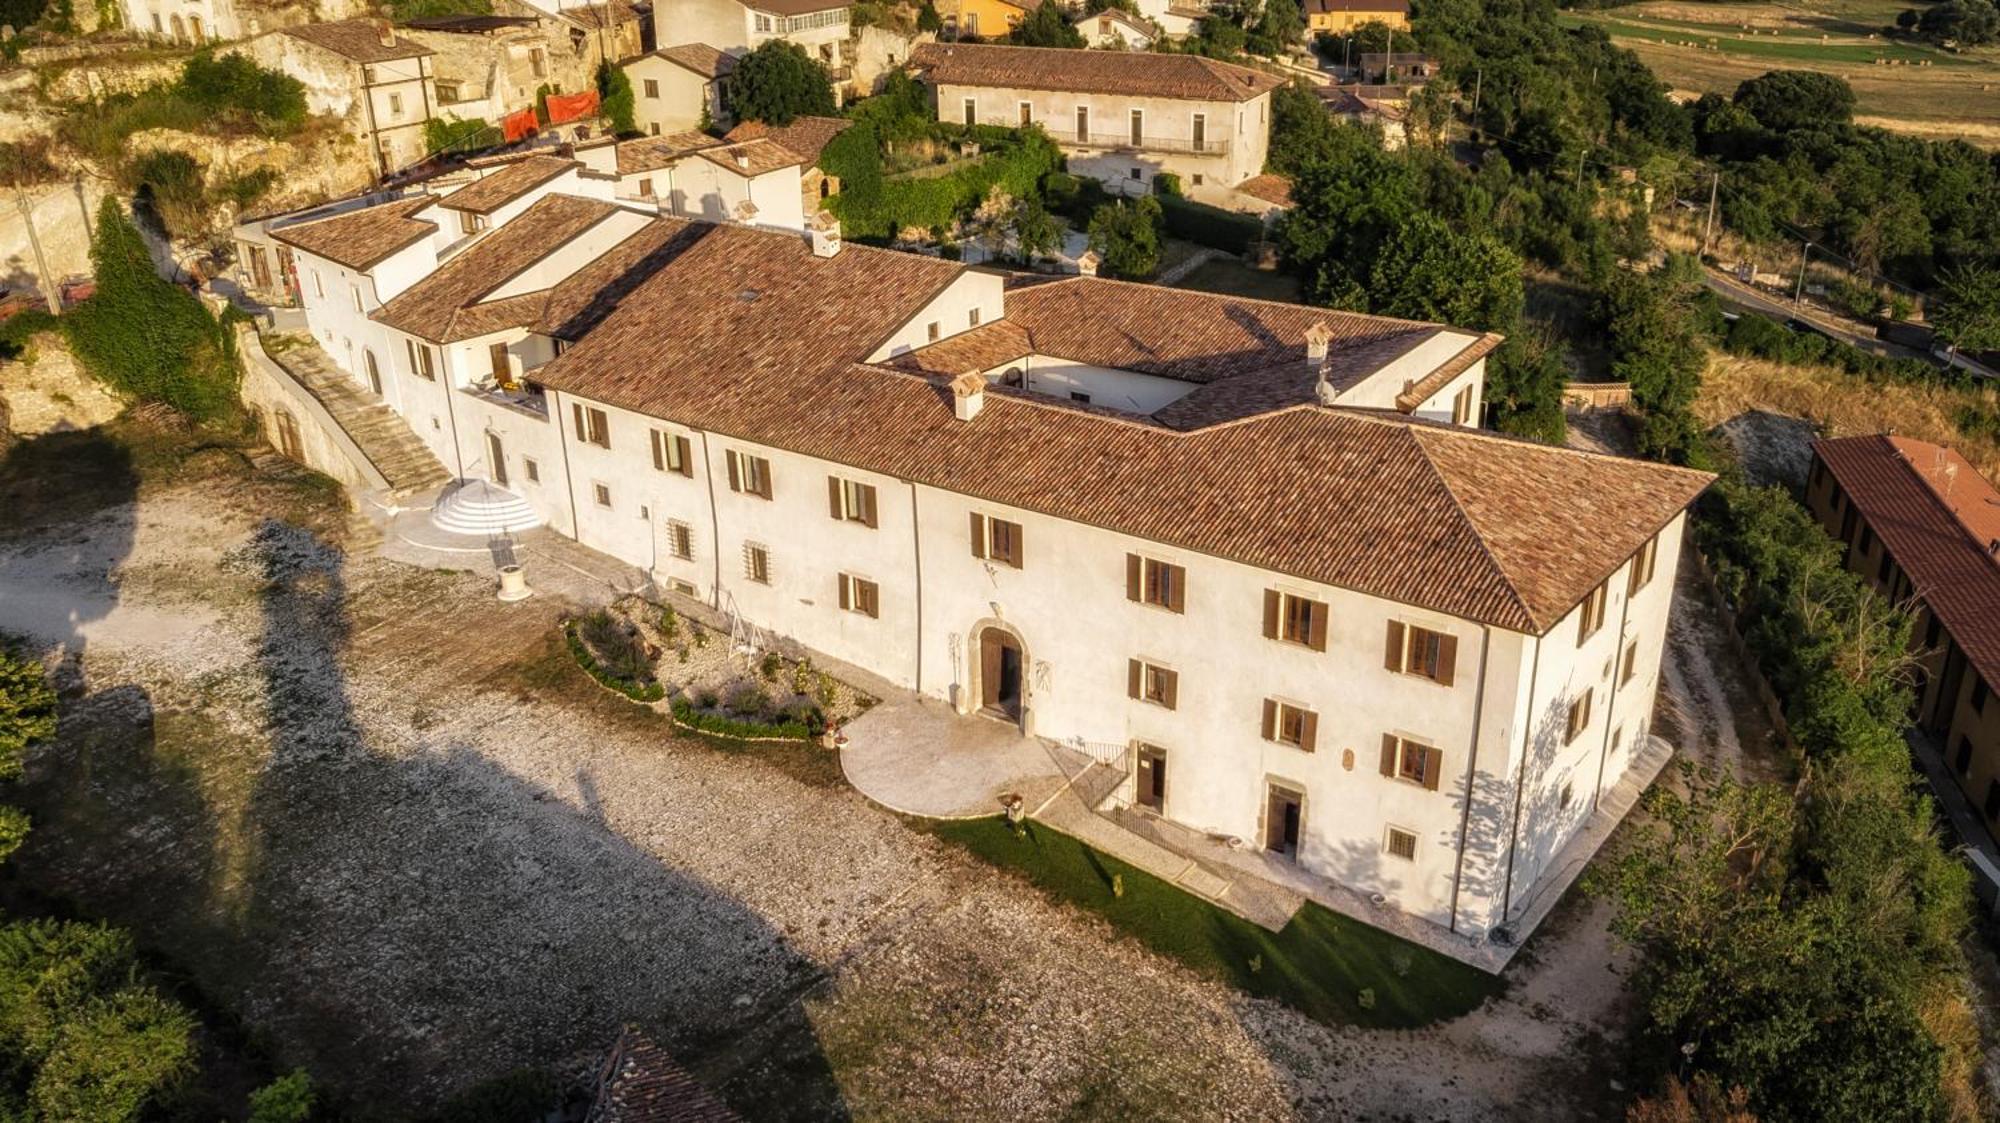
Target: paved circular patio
{"x": 918, "y": 757}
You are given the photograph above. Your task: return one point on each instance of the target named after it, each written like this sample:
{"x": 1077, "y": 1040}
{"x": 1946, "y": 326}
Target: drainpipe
{"x": 917, "y": 554}
{"x": 714, "y": 524}
{"x": 569, "y": 477}
{"x": 1611, "y": 703}
{"x": 1471, "y": 773}
{"x": 1521, "y": 782}
{"x": 451, "y": 415}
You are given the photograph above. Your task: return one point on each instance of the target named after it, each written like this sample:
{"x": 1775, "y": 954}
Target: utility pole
{"x": 48, "y": 282}
{"x": 1714, "y": 184}
{"x": 1799, "y": 296}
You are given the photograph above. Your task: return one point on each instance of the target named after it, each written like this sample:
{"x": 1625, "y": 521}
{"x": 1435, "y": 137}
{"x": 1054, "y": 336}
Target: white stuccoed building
{"x": 1255, "y": 552}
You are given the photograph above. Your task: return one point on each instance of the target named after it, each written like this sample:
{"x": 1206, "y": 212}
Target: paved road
{"x": 1757, "y": 300}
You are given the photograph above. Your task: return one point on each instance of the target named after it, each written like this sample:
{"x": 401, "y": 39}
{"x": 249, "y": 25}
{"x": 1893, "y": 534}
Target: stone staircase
{"x": 384, "y": 438}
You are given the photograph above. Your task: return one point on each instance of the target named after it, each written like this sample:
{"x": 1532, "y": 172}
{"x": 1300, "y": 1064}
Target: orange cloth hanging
{"x": 570, "y": 107}
{"x": 514, "y": 126}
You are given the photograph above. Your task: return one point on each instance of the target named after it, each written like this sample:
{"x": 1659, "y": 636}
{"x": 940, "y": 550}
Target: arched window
{"x": 180, "y": 29}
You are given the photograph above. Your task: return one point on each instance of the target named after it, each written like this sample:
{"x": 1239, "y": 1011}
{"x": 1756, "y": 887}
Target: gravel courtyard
{"x": 382, "y": 819}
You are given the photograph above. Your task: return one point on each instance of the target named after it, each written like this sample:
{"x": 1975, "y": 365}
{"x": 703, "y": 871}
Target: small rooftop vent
{"x": 1088, "y": 263}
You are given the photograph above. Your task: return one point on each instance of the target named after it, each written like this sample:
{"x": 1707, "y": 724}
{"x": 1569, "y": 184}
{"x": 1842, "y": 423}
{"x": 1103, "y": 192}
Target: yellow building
{"x": 987, "y": 19}
{"x": 1337, "y": 16}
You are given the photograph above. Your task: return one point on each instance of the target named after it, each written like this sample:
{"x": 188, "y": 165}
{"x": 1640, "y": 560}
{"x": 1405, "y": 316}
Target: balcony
{"x": 1123, "y": 142}
{"x": 525, "y": 398}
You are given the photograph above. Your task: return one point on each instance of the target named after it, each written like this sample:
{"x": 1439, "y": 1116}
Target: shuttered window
{"x": 750, "y": 475}
{"x": 1642, "y": 565}
{"x": 1289, "y": 724}
{"x": 672, "y": 453}
{"x": 1295, "y": 619}
{"x": 850, "y": 501}
{"x": 1150, "y": 682}
{"x": 1412, "y": 650}
{"x": 996, "y": 540}
{"x": 1628, "y": 664}
{"x": 1593, "y": 613}
{"x": 592, "y": 426}
{"x": 1413, "y": 761}
{"x": 1157, "y": 583}
{"x": 420, "y": 360}
{"x": 1579, "y": 716}
{"x": 757, "y": 563}
{"x": 858, "y": 594}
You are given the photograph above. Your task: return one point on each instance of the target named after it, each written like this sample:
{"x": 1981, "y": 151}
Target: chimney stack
{"x": 1319, "y": 338}
{"x": 745, "y": 211}
{"x": 386, "y": 33}
{"x": 1088, "y": 263}
{"x": 968, "y": 395}
{"x": 824, "y": 232}
{"x": 742, "y": 159}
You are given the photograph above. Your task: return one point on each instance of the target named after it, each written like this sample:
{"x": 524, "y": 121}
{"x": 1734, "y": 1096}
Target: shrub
{"x": 630, "y": 688}
{"x": 615, "y": 98}
{"x": 1167, "y": 185}
{"x": 1127, "y": 236}
{"x": 777, "y": 83}
{"x": 1204, "y": 225}
{"x": 234, "y": 85}
{"x": 722, "y": 726}
{"x": 749, "y": 700}
{"x": 145, "y": 337}
{"x": 453, "y": 134}
{"x": 288, "y": 1099}
{"x": 706, "y": 699}
{"x": 770, "y": 665}
{"x": 169, "y": 184}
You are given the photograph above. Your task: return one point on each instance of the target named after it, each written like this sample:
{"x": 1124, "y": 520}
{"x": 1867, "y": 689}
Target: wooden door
{"x": 1282, "y": 822}
{"x": 496, "y": 459}
{"x": 1152, "y": 777}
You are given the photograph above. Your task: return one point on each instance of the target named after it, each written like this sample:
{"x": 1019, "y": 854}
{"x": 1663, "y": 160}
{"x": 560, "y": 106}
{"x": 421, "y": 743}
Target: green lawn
{"x": 1235, "y": 278}
{"x": 1800, "y": 48}
{"x": 1322, "y": 963}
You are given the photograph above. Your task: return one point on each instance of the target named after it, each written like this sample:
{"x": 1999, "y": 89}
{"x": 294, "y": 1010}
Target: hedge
{"x": 1209, "y": 226}
{"x": 702, "y": 720}
{"x": 871, "y": 207}
{"x": 649, "y": 692}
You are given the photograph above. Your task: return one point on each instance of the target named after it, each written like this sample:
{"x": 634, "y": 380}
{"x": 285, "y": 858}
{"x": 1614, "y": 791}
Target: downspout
{"x": 569, "y": 477}
{"x": 714, "y": 524}
{"x": 1471, "y": 772}
{"x": 374, "y": 133}
{"x": 451, "y": 415}
{"x": 1521, "y": 783}
{"x": 917, "y": 553}
{"x": 1611, "y": 703}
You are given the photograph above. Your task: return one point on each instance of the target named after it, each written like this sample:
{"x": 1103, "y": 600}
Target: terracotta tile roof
{"x": 584, "y": 299}
{"x": 746, "y": 334}
{"x": 606, "y": 15}
{"x": 1132, "y": 73}
{"x": 651, "y": 153}
{"x": 1287, "y": 384}
{"x": 445, "y": 306}
{"x": 1117, "y": 15}
{"x": 491, "y": 192}
{"x": 362, "y": 239}
{"x": 1272, "y": 188}
{"x": 698, "y": 57}
{"x": 642, "y": 1083}
{"x": 794, "y": 7}
{"x": 1424, "y": 387}
{"x": 752, "y": 157}
{"x": 807, "y": 136}
{"x": 358, "y": 40}
{"x": 1940, "y": 520}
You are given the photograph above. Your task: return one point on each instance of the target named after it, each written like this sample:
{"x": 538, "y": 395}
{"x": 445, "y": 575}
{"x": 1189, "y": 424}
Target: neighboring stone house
{"x": 1350, "y": 105}
{"x": 377, "y": 82}
{"x": 820, "y": 26}
{"x": 489, "y": 66}
{"x": 1396, "y": 68}
{"x": 1339, "y": 16}
{"x": 694, "y": 175}
{"x": 194, "y": 22}
{"x": 1115, "y": 30}
{"x": 679, "y": 88}
{"x": 1922, "y": 526}
{"x": 807, "y": 136}
{"x": 1176, "y": 19}
{"x": 1122, "y": 117}
{"x": 1252, "y": 555}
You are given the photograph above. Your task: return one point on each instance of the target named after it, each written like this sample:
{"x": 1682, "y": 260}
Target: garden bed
{"x": 660, "y": 658}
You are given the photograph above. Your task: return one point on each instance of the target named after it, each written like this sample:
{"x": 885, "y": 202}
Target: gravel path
{"x": 374, "y": 813}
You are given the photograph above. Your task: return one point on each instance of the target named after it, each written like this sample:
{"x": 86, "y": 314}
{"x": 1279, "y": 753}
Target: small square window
{"x": 684, "y": 588}
{"x": 931, "y": 330}
{"x": 680, "y": 539}
{"x": 757, "y": 563}
{"x": 1197, "y": 179}
{"x": 531, "y": 469}
{"x": 652, "y": 87}
{"x": 602, "y": 493}
{"x": 1401, "y": 844}
{"x": 1079, "y": 396}
{"x": 972, "y": 318}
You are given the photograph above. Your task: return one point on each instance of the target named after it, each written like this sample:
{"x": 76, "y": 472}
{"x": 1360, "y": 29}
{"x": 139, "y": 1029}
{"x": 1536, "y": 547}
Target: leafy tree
{"x": 1037, "y": 233}
{"x": 145, "y": 337}
{"x": 1278, "y": 27}
{"x": 237, "y": 85}
{"x": 1797, "y": 99}
{"x": 1047, "y": 26}
{"x": 450, "y": 134}
{"x": 1126, "y": 235}
{"x": 615, "y": 98}
{"x": 928, "y": 18}
{"x": 1969, "y": 23}
{"x": 1966, "y": 307}
{"x": 778, "y": 82}
{"x": 1426, "y": 270}
{"x": 1302, "y": 131}
{"x": 1907, "y": 19}
{"x": 27, "y": 710}
{"x": 288, "y": 1099}
{"x": 1524, "y": 388}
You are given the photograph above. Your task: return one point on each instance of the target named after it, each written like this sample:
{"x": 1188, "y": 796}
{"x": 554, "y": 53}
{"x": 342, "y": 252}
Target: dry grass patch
{"x": 1844, "y": 405}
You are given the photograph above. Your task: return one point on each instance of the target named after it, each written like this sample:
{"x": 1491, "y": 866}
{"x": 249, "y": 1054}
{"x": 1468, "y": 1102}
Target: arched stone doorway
{"x": 999, "y": 663}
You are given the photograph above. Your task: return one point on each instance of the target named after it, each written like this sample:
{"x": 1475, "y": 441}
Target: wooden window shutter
{"x": 1388, "y": 754}
{"x": 659, "y": 451}
{"x": 735, "y": 473}
{"x": 1135, "y": 674}
{"x": 833, "y": 498}
{"x": 1134, "y": 566}
{"x": 978, "y": 535}
{"x": 1309, "y": 731}
{"x": 1270, "y": 614}
{"x": 687, "y": 456}
{"x": 846, "y": 592}
{"x": 1433, "y": 766}
{"x": 1170, "y": 688}
{"x": 1316, "y": 629}
{"x": 868, "y": 506}
{"x": 1392, "y": 648}
{"x": 582, "y": 433}
{"x": 1177, "y": 588}
{"x": 1270, "y": 720}
{"x": 1447, "y": 659}
{"x": 871, "y": 599}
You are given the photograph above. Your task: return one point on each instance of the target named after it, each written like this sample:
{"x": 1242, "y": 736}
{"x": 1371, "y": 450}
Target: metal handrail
{"x": 1212, "y": 146}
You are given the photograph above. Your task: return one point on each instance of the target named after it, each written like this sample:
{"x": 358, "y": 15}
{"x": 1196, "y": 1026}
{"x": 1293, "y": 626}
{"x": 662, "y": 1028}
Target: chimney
{"x": 742, "y": 159}
{"x": 823, "y": 230}
{"x": 1318, "y": 338}
{"x": 1088, "y": 263}
{"x": 386, "y": 33}
{"x": 968, "y": 394}
{"x": 745, "y": 211}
